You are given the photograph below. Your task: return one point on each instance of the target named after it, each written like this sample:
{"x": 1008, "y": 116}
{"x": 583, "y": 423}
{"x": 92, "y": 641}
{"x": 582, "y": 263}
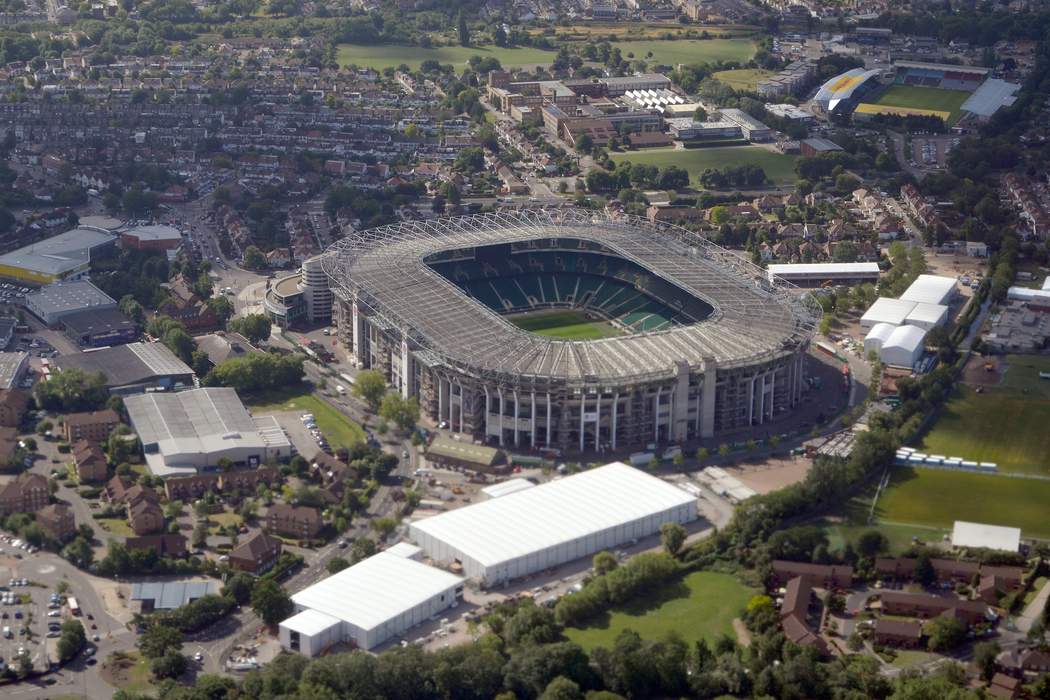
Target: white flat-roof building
{"x": 930, "y": 289}
{"x": 505, "y": 488}
{"x": 822, "y": 272}
{"x": 886, "y": 310}
{"x": 966, "y": 534}
{"x": 515, "y": 535}
{"x": 927, "y": 316}
{"x": 875, "y": 338}
{"x": 368, "y": 604}
{"x": 903, "y": 347}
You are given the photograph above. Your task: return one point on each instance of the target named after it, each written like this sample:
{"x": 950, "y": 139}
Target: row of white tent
{"x": 898, "y": 327}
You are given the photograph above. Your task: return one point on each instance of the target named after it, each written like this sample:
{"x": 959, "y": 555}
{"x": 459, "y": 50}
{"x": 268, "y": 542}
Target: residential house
{"x": 57, "y": 521}
{"x": 91, "y": 425}
{"x": 818, "y": 574}
{"x": 953, "y": 571}
{"x": 794, "y": 614}
{"x": 115, "y": 490}
{"x": 1004, "y": 686}
{"x": 188, "y": 488}
{"x": 171, "y": 546}
{"x": 302, "y": 522}
{"x": 189, "y": 309}
{"x": 898, "y": 633}
{"x": 145, "y": 517}
{"x": 245, "y": 481}
{"x": 26, "y": 494}
{"x": 139, "y": 493}
{"x": 89, "y": 461}
{"x": 13, "y": 405}
{"x": 257, "y": 554}
{"x": 923, "y": 605}
{"x": 1017, "y": 662}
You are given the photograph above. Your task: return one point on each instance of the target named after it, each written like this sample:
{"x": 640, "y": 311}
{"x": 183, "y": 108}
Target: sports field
{"x": 743, "y": 78}
{"x": 700, "y": 606}
{"x": 1003, "y": 425}
{"x": 689, "y": 51}
{"x": 391, "y": 56}
{"x": 779, "y": 167}
{"x": 564, "y": 324}
{"x": 1022, "y": 375}
{"x": 913, "y": 97}
{"x": 938, "y": 497}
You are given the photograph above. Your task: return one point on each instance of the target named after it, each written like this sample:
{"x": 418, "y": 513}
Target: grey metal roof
{"x": 10, "y": 363}
{"x": 128, "y": 364}
{"x": 751, "y": 321}
{"x": 58, "y": 254}
{"x": 64, "y": 297}
{"x": 169, "y": 595}
{"x": 195, "y": 414}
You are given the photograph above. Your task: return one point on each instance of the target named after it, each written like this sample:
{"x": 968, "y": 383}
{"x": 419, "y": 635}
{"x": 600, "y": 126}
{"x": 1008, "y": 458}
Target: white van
{"x": 7, "y": 633}
{"x": 340, "y": 389}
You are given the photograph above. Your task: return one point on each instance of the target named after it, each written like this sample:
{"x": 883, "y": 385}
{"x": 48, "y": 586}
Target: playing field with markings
{"x": 567, "y": 325}
{"x": 912, "y": 99}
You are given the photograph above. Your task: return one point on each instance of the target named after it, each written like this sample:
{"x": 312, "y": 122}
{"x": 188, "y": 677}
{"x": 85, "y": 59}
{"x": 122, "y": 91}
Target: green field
{"x": 567, "y": 325}
{"x": 743, "y": 78}
{"x": 1022, "y": 374}
{"x": 916, "y": 97}
{"x": 1005, "y": 426}
{"x": 898, "y": 536}
{"x": 937, "y": 498}
{"x": 779, "y": 167}
{"x": 700, "y": 606}
{"x": 340, "y": 430}
{"x": 391, "y": 56}
{"x": 688, "y": 51}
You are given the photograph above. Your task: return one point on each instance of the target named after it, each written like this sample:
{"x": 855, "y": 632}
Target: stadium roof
{"x": 564, "y": 510}
{"x": 946, "y": 67}
{"x": 842, "y": 87}
{"x": 930, "y": 289}
{"x": 59, "y": 254}
{"x": 990, "y": 96}
{"x": 124, "y": 365}
{"x": 966, "y": 534}
{"x": 374, "y": 591}
{"x": 833, "y": 269}
{"x": 384, "y": 270}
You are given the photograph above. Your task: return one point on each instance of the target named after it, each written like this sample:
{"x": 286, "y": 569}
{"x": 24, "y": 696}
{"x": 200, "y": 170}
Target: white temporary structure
{"x": 966, "y": 534}
{"x": 515, "y": 535}
{"x": 903, "y": 347}
{"x": 930, "y": 289}
{"x": 368, "y": 603}
{"x": 886, "y": 310}
{"x": 878, "y": 335}
{"x": 927, "y": 316}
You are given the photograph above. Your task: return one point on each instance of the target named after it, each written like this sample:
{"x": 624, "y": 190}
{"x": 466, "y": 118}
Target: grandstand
{"x": 704, "y": 344}
{"x": 939, "y": 76}
{"x": 842, "y": 93}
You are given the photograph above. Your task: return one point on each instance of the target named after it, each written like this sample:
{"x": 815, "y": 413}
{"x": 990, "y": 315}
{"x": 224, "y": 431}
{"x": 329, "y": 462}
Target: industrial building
{"x": 685, "y": 129}
{"x": 369, "y": 603}
{"x": 186, "y": 432}
{"x": 170, "y": 595}
{"x": 751, "y": 128}
{"x": 876, "y": 337}
{"x": 63, "y": 257}
{"x": 817, "y": 273}
{"x": 132, "y": 368}
{"x": 13, "y": 366}
{"x": 154, "y": 237}
{"x": 534, "y": 529}
{"x": 55, "y": 301}
{"x": 100, "y": 328}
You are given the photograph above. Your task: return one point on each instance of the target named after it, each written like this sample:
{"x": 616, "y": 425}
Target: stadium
{"x": 693, "y": 341}
{"x": 840, "y": 95}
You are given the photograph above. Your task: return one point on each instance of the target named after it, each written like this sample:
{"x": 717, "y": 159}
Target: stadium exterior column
{"x": 517, "y": 405}
{"x": 772, "y": 394}
{"x": 406, "y": 375}
{"x": 656, "y": 414}
{"x": 532, "y": 425}
{"x": 597, "y": 421}
{"x": 583, "y": 409}
{"x": 548, "y": 419}
{"x": 488, "y": 411}
{"x": 751, "y": 400}
{"x": 708, "y": 391}
{"x": 762, "y": 400}
{"x": 441, "y": 398}
{"x": 499, "y": 390}
{"x": 799, "y": 376}
{"x": 615, "y": 410}
{"x": 355, "y": 321}
{"x": 460, "y": 385}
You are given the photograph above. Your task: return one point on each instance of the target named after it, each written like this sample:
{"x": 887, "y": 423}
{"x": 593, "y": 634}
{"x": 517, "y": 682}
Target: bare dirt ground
{"x": 742, "y": 635}
{"x": 771, "y": 474}
{"x": 975, "y": 373}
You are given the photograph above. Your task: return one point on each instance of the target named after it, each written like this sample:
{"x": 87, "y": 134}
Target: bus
{"x": 74, "y": 607}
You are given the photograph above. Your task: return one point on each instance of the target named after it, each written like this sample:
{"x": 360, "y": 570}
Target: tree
{"x": 871, "y": 543}
{"x": 384, "y": 526}
{"x": 271, "y": 602}
{"x": 946, "y": 633}
{"x": 239, "y": 587}
{"x": 369, "y": 386}
{"x": 222, "y": 307}
{"x": 672, "y": 536}
{"x": 499, "y": 37}
{"x": 253, "y": 258}
{"x": 561, "y": 688}
{"x": 984, "y": 654}
{"x": 200, "y": 535}
{"x": 336, "y": 564}
{"x": 255, "y": 327}
{"x": 71, "y": 639}
{"x": 702, "y": 455}
{"x": 180, "y": 343}
{"x": 404, "y": 413}
{"x": 159, "y": 640}
{"x": 924, "y": 571}
{"x": 171, "y": 665}
{"x": 700, "y": 115}
{"x": 79, "y": 552}
{"x": 462, "y": 31}
{"x": 604, "y": 562}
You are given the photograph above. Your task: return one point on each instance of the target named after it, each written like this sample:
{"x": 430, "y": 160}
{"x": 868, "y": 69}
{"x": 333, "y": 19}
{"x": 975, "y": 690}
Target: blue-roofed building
{"x": 170, "y": 595}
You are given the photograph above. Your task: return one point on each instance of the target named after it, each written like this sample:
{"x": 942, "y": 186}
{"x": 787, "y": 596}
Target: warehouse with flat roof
{"x": 65, "y": 256}
{"x": 930, "y": 289}
{"x": 817, "y": 273}
{"x": 531, "y": 530}
{"x": 56, "y": 301}
{"x": 368, "y": 603}
{"x": 132, "y": 368}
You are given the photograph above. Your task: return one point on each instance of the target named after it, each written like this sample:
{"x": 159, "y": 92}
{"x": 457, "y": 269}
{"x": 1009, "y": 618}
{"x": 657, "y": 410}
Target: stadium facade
{"x": 842, "y": 93}
{"x": 706, "y": 344}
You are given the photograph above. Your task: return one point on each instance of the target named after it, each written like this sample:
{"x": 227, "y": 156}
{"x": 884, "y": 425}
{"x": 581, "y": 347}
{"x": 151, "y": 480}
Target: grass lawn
{"x": 224, "y": 519}
{"x": 915, "y": 97}
{"x": 998, "y": 425}
{"x": 128, "y": 671}
{"x": 779, "y": 167}
{"x": 568, "y": 325}
{"x": 1037, "y": 586}
{"x": 743, "y": 78}
{"x": 634, "y": 30}
{"x": 340, "y": 430}
{"x": 700, "y": 606}
{"x": 906, "y": 658}
{"x": 392, "y": 55}
{"x": 118, "y": 526}
{"x": 899, "y": 536}
{"x": 937, "y": 498}
{"x": 688, "y": 51}
{"x": 1022, "y": 374}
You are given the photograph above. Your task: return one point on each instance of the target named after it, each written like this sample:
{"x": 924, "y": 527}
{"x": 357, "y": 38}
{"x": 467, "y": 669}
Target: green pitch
{"x": 700, "y": 606}
{"x": 393, "y": 55}
{"x": 743, "y": 78}
{"x": 939, "y": 497}
{"x": 779, "y": 167}
{"x": 689, "y": 51}
{"x": 1005, "y": 425}
{"x": 916, "y": 97}
{"x": 566, "y": 325}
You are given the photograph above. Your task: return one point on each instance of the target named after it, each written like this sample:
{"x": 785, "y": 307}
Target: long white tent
{"x": 531, "y": 530}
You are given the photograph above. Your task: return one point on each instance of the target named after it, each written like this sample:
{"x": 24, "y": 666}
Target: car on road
{"x": 198, "y": 657}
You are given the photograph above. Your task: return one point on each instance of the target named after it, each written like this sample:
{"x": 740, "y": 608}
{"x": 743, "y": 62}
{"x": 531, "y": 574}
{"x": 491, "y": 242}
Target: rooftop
{"x": 553, "y": 513}
{"x": 169, "y": 595}
{"x": 11, "y": 363}
{"x": 157, "y": 232}
{"x": 374, "y": 591}
{"x": 967, "y": 534}
{"x": 58, "y": 254}
{"x": 128, "y": 364}
{"x": 448, "y": 448}
{"x": 68, "y": 296}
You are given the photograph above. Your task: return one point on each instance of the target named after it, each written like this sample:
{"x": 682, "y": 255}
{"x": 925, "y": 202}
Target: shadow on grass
{"x": 277, "y": 397}
{"x": 642, "y": 604}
